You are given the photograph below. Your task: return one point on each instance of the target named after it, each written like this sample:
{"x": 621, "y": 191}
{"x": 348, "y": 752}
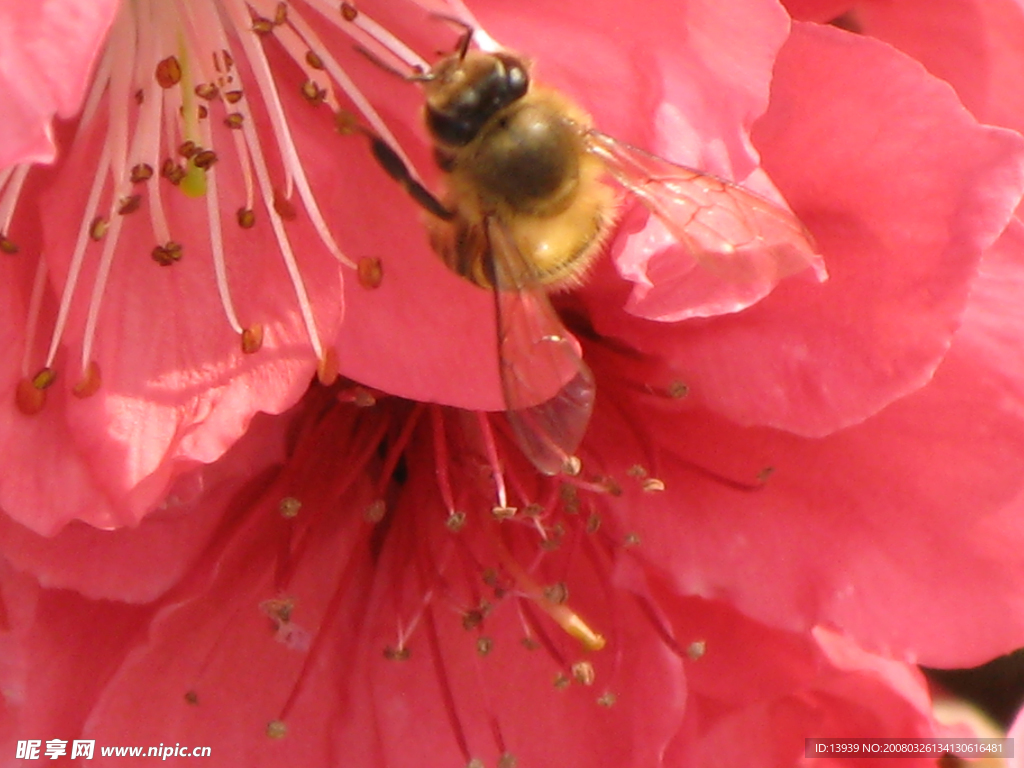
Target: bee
{"x": 531, "y": 192}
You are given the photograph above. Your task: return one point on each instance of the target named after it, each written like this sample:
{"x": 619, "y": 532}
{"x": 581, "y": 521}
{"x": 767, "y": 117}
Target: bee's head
{"x": 464, "y": 91}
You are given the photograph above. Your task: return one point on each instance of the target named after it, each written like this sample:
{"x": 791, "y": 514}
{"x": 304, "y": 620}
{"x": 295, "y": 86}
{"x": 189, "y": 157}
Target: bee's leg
{"x": 396, "y": 168}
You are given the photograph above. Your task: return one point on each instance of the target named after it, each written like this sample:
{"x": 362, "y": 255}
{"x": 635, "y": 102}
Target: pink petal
{"x": 974, "y": 45}
{"x": 58, "y": 650}
{"x": 904, "y": 531}
{"x": 758, "y": 693}
{"x": 139, "y": 564}
{"x": 903, "y": 191}
{"x": 49, "y": 50}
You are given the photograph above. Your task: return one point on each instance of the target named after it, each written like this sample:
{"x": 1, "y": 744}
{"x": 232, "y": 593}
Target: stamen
{"x": 90, "y": 382}
{"x": 570, "y": 621}
{"x": 441, "y": 463}
{"x": 492, "y": 457}
{"x": 78, "y": 256}
{"x": 11, "y": 182}
{"x": 324, "y": 635}
{"x": 446, "y": 690}
{"x": 376, "y": 35}
{"x": 290, "y": 157}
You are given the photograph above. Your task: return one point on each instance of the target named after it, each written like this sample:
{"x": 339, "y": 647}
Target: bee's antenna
{"x": 467, "y": 36}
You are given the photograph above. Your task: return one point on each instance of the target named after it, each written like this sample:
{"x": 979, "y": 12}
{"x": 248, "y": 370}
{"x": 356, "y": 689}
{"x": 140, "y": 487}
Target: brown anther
{"x": 284, "y": 206}
{"x": 140, "y": 96}
{"x": 171, "y": 171}
{"x": 314, "y": 60}
{"x": 90, "y": 382}
{"x": 572, "y": 466}
{"x": 168, "y": 72}
{"x": 561, "y": 681}
{"x": 696, "y": 649}
{"x": 490, "y": 577}
{"x": 370, "y": 271}
{"x": 204, "y": 159}
{"x": 28, "y": 398}
{"x": 677, "y": 390}
{"x": 533, "y": 509}
{"x": 281, "y": 13}
{"x": 7, "y": 246}
{"x": 631, "y": 539}
{"x": 278, "y": 609}
{"x": 349, "y": 12}
{"x": 141, "y": 172}
{"x": 203, "y": 112}
{"x": 473, "y": 618}
{"x": 98, "y": 228}
{"x": 583, "y": 673}
{"x": 44, "y": 378}
{"x": 188, "y": 148}
{"x": 252, "y": 338}
{"x": 570, "y": 499}
{"x": 167, "y": 254}
{"x": 233, "y": 97}
{"x": 276, "y": 729}
{"x": 396, "y": 654}
{"x": 764, "y": 474}
{"x": 503, "y": 513}
{"x": 289, "y": 507}
{"x": 363, "y": 398}
{"x": 375, "y": 512}
{"x": 606, "y": 699}
{"x": 234, "y": 120}
{"x": 508, "y": 760}
{"x": 207, "y": 91}
{"x": 557, "y": 593}
{"x": 484, "y": 645}
{"x": 229, "y": 62}
{"x": 653, "y": 485}
{"x": 611, "y": 486}
{"x": 327, "y": 368}
{"x": 636, "y": 471}
{"x": 358, "y": 396}
{"x": 129, "y": 204}
{"x": 313, "y": 93}
{"x": 455, "y": 522}
{"x": 550, "y": 545}
{"x": 345, "y": 122}
{"x": 530, "y": 644}
{"x": 593, "y": 523}
{"x": 191, "y": 697}
{"x": 246, "y": 218}
{"x": 262, "y": 26}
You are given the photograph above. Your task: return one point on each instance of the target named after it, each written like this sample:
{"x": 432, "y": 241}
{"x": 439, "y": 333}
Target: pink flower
{"x": 764, "y": 492}
{"x": 346, "y": 605}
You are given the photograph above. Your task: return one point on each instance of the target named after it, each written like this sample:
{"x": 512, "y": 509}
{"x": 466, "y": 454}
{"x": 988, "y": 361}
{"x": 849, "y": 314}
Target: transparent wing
{"x": 732, "y": 232}
{"x": 548, "y": 389}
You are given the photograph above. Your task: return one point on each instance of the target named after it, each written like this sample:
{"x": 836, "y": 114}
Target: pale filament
{"x": 11, "y": 181}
